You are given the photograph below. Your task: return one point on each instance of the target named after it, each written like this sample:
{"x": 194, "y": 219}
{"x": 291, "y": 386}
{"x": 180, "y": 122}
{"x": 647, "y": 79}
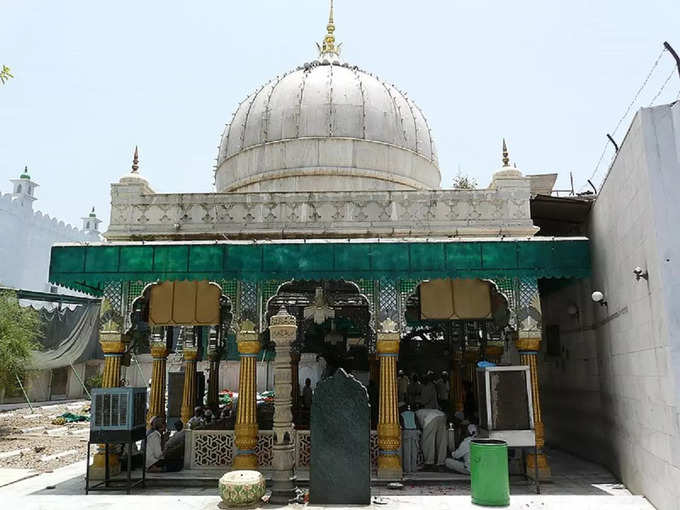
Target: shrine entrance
{"x": 334, "y": 331}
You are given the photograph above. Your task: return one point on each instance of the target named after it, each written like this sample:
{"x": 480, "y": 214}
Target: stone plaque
{"x": 340, "y": 470}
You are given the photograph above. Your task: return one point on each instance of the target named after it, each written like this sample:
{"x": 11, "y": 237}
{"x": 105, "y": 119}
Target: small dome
{"x": 327, "y": 126}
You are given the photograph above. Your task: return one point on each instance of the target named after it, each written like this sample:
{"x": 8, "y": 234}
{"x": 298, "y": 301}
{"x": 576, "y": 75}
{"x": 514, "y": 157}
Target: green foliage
{"x": 462, "y": 181}
{"x": 5, "y": 74}
{"x": 94, "y": 382}
{"x": 19, "y": 328}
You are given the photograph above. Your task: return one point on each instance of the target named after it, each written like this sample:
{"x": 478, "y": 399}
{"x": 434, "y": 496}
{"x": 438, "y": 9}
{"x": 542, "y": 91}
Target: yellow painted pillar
{"x": 245, "y": 428}
{"x": 113, "y": 347}
{"x": 528, "y": 344}
{"x": 159, "y": 354}
{"x": 189, "y": 392}
{"x": 389, "y": 431}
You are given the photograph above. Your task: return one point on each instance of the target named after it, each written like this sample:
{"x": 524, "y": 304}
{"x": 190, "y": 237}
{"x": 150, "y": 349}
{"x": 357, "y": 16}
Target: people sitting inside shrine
{"x": 208, "y": 417}
{"x": 460, "y": 459}
{"x": 428, "y": 393}
{"x": 155, "y": 448}
{"x": 174, "y": 448}
{"x": 197, "y": 420}
{"x": 307, "y": 394}
{"x": 435, "y": 437}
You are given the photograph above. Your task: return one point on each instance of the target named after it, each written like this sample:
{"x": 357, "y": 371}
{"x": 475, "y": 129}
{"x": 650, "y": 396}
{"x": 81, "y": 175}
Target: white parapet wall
{"x": 139, "y": 213}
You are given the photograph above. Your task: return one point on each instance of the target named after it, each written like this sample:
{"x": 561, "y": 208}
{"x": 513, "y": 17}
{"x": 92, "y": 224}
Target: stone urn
{"x": 242, "y": 488}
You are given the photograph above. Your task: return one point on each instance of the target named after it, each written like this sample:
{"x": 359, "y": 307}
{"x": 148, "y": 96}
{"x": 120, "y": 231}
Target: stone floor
{"x": 576, "y": 484}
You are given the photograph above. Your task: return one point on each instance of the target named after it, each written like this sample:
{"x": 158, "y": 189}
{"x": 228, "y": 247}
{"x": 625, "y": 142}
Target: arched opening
{"x": 334, "y": 331}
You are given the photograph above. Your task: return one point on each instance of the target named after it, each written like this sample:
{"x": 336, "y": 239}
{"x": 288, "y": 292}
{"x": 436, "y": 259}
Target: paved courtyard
{"x": 576, "y": 485}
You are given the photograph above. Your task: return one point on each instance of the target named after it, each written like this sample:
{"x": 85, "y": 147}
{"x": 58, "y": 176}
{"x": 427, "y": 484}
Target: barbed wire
{"x": 670, "y": 75}
{"x": 625, "y": 114}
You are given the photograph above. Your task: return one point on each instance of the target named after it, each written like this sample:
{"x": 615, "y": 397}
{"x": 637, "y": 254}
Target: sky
{"x": 94, "y": 79}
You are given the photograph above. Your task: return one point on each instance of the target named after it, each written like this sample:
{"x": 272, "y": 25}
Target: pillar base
{"x": 389, "y": 467}
{"x": 246, "y": 461}
{"x": 98, "y": 467}
{"x": 544, "y": 473}
{"x": 283, "y": 488}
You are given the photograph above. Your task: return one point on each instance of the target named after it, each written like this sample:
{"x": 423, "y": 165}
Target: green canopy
{"x": 88, "y": 267}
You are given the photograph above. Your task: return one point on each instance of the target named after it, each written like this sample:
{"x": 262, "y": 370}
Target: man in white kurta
{"x": 460, "y": 463}
{"x": 435, "y": 440}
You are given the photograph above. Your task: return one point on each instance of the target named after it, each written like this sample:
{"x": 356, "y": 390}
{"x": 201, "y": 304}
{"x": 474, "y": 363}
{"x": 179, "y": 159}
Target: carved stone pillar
{"x": 389, "y": 431}
{"x": 295, "y": 377}
{"x": 214, "y": 356}
{"x": 245, "y": 429}
{"x": 189, "y": 390}
{"x": 113, "y": 348}
{"x": 283, "y": 331}
{"x": 159, "y": 353}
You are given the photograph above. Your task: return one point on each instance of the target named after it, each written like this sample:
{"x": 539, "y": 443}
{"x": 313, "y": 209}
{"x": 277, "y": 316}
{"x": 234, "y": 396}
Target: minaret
{"x": 24, "y": 189}
{"x": 91, "y": 223}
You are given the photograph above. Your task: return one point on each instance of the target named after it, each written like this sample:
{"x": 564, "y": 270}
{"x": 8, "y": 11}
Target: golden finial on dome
{"x": 328, "y": 46}
{"x": 506, "y": 156}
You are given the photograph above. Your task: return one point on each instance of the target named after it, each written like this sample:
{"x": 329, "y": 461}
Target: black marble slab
{"x": 340, "y": 470}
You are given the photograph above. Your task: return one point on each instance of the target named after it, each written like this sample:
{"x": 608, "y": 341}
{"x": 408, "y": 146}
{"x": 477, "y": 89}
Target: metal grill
{"x": 388, "y": 301}
{"x": 247, "y": 302}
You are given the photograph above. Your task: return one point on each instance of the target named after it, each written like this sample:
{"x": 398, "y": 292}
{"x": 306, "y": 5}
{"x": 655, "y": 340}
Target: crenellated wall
{"x": 26, "y": 237}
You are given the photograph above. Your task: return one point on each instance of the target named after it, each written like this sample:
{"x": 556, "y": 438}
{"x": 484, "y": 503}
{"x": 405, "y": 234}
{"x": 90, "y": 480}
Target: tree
{"x": 5, "y": 74}
{"x": 463, "y": 181}
{"x": 19, "y": 329}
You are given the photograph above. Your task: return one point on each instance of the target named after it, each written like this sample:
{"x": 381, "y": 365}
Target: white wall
{"x": 612, "y": 394}
{"x": 26, "y": 237}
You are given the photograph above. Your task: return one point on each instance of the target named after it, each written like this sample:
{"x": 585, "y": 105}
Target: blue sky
{"x": 94, "y": 79}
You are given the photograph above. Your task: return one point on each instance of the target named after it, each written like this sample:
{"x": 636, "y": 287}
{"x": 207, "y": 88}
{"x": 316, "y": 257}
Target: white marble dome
{"x": 327, "y": 127}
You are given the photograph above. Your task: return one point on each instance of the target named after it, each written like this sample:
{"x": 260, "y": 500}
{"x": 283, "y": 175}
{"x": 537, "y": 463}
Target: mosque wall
{"x": 612, "y": 392}
{"x": 25, "y": 243}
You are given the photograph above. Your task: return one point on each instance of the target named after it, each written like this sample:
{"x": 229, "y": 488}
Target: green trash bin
{"x": 489, "y": 479}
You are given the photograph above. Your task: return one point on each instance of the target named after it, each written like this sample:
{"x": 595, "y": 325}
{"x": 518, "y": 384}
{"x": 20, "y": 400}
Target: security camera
{"x": 640, "y": 273}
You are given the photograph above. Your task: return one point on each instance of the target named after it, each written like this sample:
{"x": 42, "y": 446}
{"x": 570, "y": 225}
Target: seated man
{"x": 155, "y": 443}
{"x": 174, "y": 448}
{"x": 460, "y": 463}
{"x": 197, "y": 419}
{"x": 435, "y": 437}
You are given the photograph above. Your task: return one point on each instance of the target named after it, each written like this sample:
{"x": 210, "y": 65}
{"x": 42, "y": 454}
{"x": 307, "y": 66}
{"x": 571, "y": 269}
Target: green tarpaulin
{"x": 87, "y": 267}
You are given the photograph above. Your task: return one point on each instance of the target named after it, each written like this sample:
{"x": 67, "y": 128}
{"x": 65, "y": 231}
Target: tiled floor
{"x": 576, "y": 484}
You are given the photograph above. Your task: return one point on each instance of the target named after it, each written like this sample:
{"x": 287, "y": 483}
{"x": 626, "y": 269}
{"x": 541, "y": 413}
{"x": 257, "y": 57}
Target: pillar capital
{"x": 190, "y": 353}
{"x": 112, "y": 342}
{"x": 528, "y": 343}
{"x": 388, "y": 343}
{"x": 247, "y": 339}
{"x": 159, "y": 350}
{"x": 283, "y": 328}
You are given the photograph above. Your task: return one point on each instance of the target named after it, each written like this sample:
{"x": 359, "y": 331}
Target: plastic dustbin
{"x": 489, "y": 479}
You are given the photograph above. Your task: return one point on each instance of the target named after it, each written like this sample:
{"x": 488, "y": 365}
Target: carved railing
{"x": 214, "y": 449}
